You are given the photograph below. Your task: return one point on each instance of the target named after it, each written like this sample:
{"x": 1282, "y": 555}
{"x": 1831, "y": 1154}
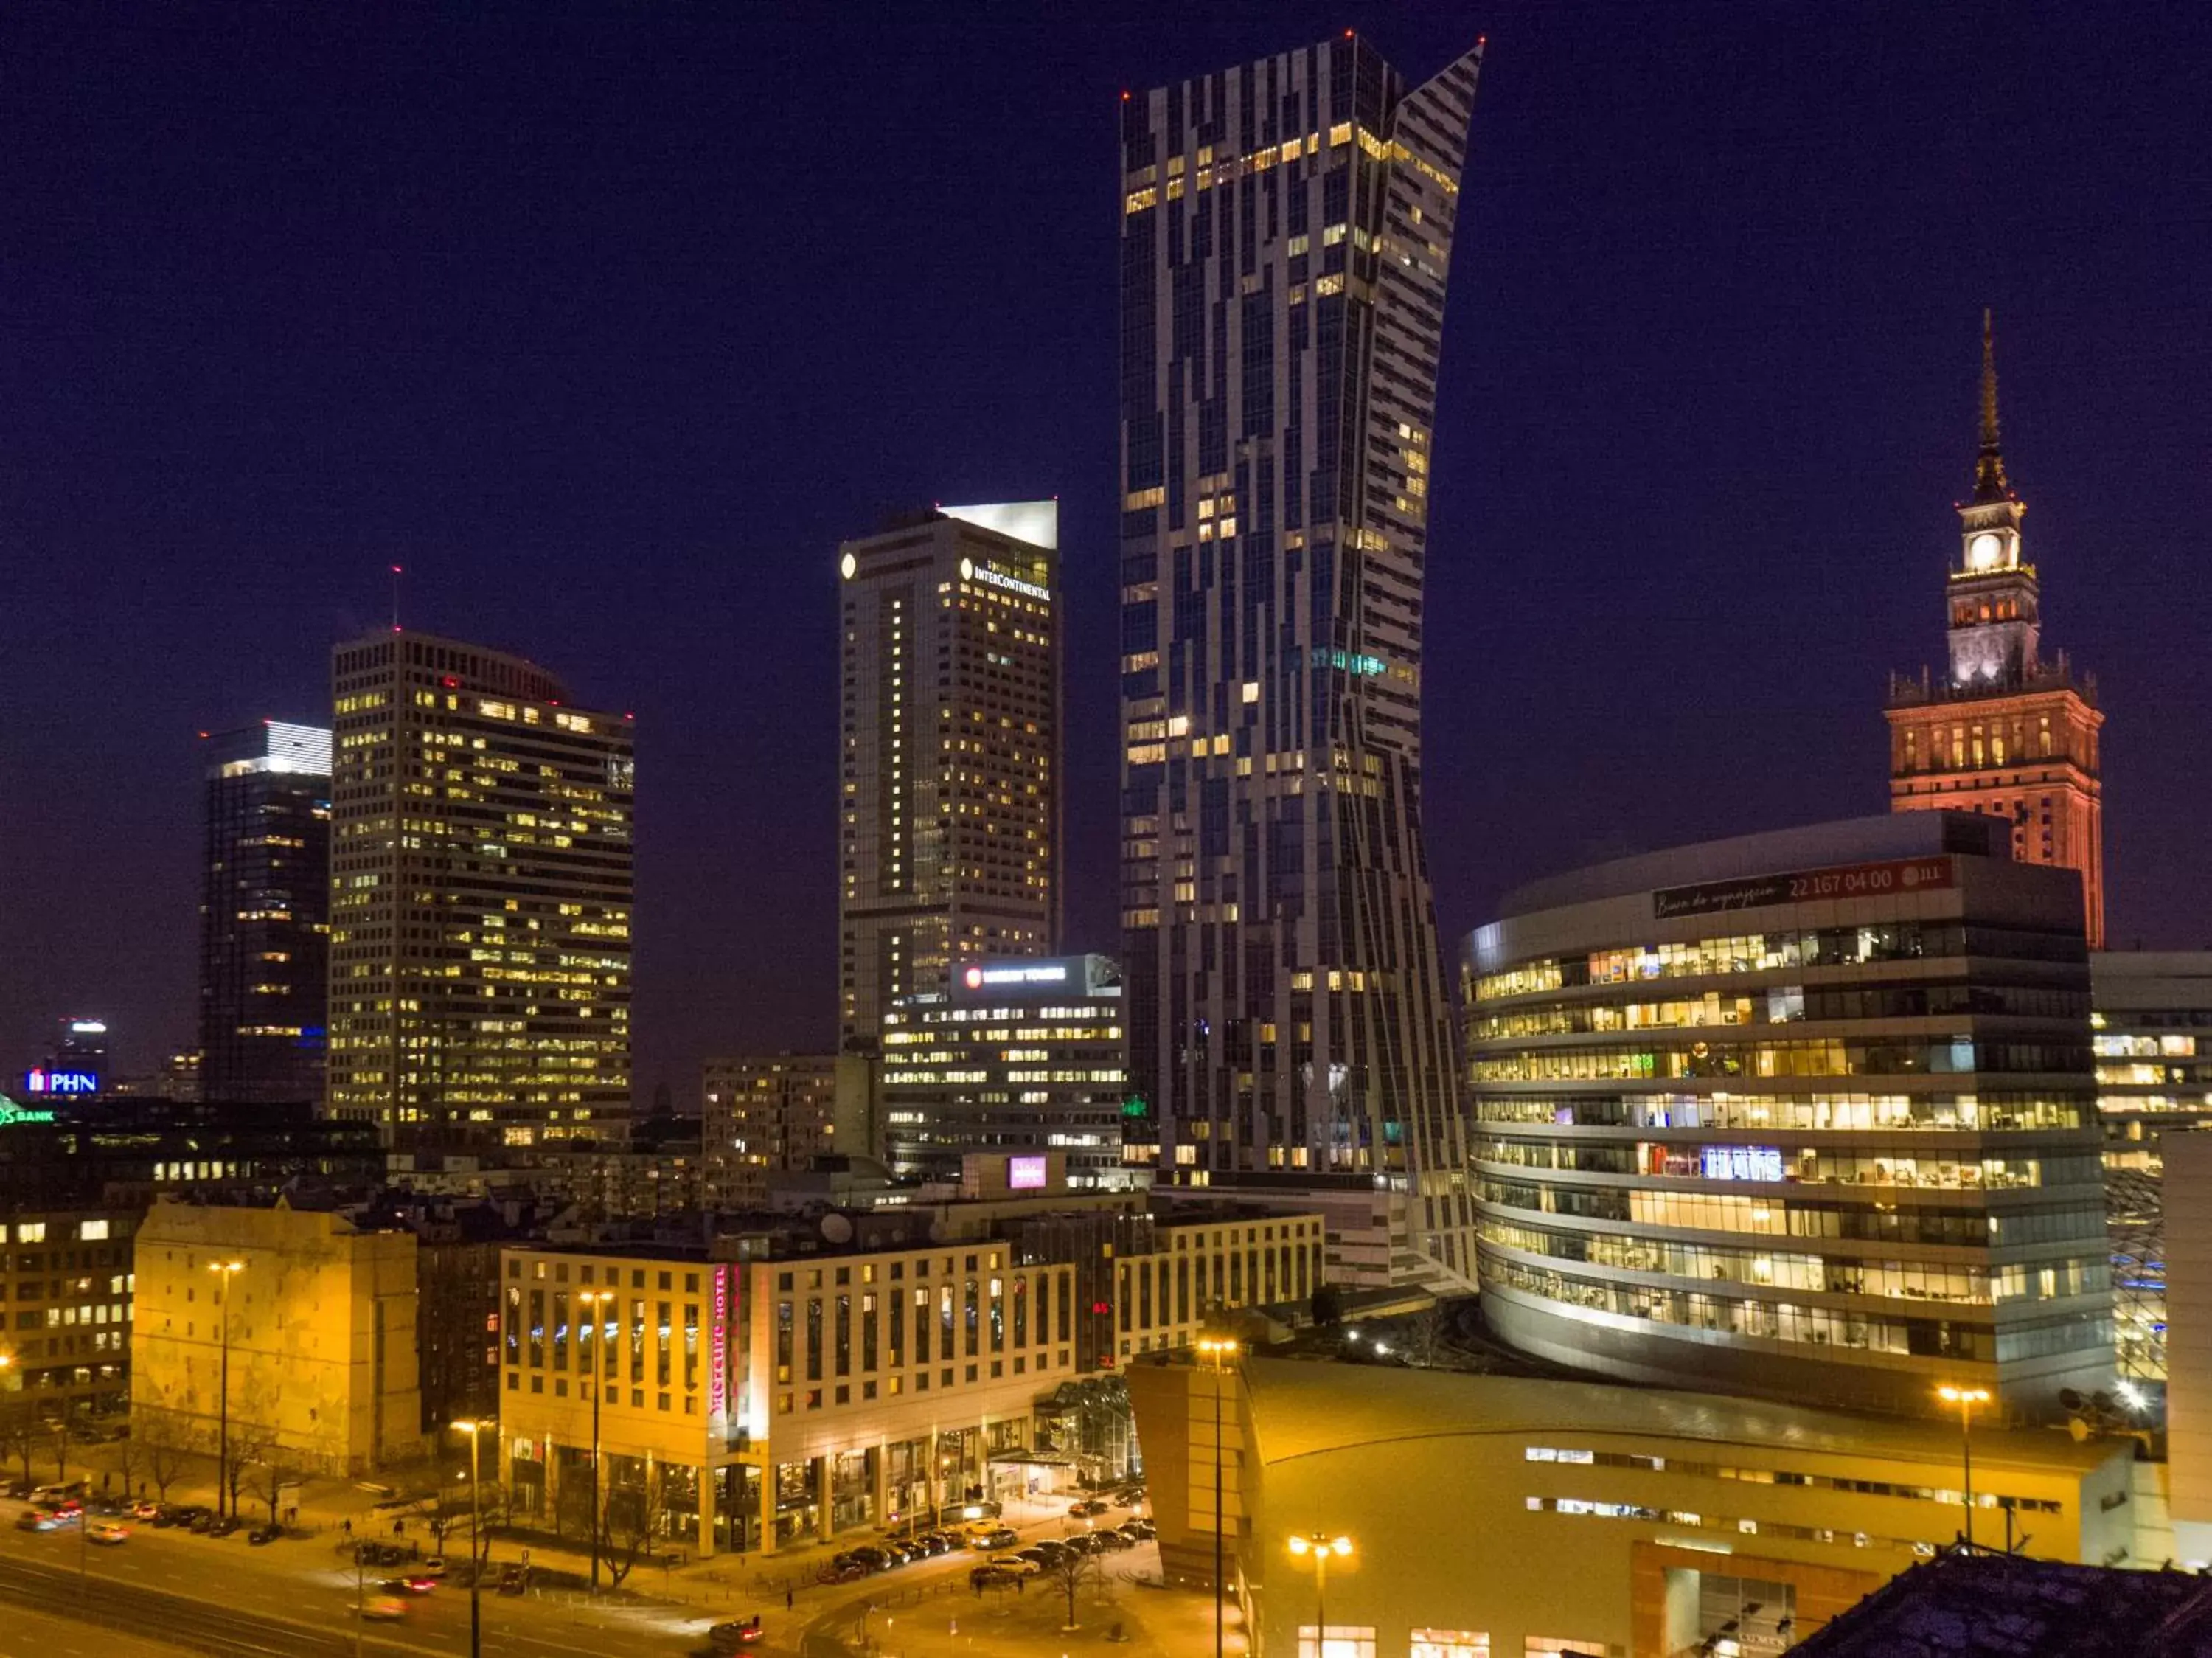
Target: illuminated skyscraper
{"x": 264, "y": 913}
{"x": 948, "y": 753}
{"x": 2006, "y": 733}
{"x": 1287, "y": 234}
{"x": 481, "y": 889}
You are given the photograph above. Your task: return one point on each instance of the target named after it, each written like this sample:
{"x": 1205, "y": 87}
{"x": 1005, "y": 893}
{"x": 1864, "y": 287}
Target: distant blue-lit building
{"x": 264, "y": 913}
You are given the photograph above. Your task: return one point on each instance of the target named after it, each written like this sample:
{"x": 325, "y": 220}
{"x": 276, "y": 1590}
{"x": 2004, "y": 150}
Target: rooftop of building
{"x": 1965, "y": 1603}
{"x": 1305, "y": 1408}
{"x": 1808, "y": 846}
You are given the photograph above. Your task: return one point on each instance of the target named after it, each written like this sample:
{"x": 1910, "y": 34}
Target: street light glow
{"x": 1303, "y": 1543}
{"x": 1951, "y": 1395}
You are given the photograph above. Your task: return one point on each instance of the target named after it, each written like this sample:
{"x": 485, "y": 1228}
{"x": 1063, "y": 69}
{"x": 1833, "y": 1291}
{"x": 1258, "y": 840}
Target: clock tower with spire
{"x": 2005, "y": 733}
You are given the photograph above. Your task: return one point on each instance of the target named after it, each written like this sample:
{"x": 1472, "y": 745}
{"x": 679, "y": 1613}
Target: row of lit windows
{"x": 1985, "y": 1114}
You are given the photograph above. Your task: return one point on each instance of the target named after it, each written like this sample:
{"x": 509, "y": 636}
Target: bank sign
{"x": 1926, "y": 875}
{"x": 50, "y": 1082}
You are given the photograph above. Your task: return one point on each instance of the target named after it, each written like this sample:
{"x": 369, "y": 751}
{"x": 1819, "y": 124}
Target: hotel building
{"x": 948, "y": 753}
{"x": 1286, "y": 235}
{"x": 2005, "y": 734}
{"x": 264, "y": 913}
{"x": 481, "y": 895}
{"x": 780, "y": 1388}
{"x": 1809, "y": 1113}
{"x": 1019, "y": 1055}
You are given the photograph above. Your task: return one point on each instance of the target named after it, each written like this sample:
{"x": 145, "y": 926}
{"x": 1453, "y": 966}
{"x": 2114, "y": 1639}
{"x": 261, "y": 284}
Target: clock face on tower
{"x": 1984, "y": 552}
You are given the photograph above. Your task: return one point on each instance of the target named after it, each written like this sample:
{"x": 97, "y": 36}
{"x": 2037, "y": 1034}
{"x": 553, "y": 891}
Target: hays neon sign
{"x": 44, "y": 1081}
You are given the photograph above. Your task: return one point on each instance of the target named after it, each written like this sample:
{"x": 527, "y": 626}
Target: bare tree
{"x": 632, "y": 1515}
{"x": 273, "y": 1473}
{"x": 249, "y": 1448}
{"x": 19, "y": 1435}
{"x": 161, "y": 1437}
{"x": 130, "y": 1459}
{"x": 1073, "y": 1570}
{"x": 58, "y": 1437}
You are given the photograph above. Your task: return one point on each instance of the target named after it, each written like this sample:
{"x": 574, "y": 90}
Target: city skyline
{"x": 1841, "y": 401}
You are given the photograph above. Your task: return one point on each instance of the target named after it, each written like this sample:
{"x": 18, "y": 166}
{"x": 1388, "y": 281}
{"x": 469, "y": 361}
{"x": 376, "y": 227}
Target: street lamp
{"x": 224, "y": 1271}
{"x": 1320, "y": 1545}
{"x": 1217, "y": 1350}
{"x": 1966, "y": 1398}
{"x": 474, "y": 1430}
{"x": 595, "y": 1299}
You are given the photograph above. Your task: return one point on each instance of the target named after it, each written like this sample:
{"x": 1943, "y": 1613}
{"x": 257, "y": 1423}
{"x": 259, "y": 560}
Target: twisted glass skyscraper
{"x": 1286, "y": 233}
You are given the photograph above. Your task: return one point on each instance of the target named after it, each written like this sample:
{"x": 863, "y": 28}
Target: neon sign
{"x": 718, "y": 1381}
{"x": 12, "y": 1112}
{"x": 1740, "y": 1163}
{"x": 44, "y": 1081}
{"x": 1051, "y": 972}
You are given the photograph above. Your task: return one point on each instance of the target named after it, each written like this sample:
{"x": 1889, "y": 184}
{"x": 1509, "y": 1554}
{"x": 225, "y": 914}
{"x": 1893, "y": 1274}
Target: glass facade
{"x": 480, "y": 886}
{"x": 1286, "y": 235}
{"x": 265, "y": 914}
{"x": 1033, "y": 1064}
{"x": 1860, "y": 1134}
{"x": 2153, "y": 1043}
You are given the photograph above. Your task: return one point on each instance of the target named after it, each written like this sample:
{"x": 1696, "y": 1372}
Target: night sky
{"x": 610, "y": 325}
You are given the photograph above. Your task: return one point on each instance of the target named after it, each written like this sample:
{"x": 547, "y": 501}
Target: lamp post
{"x": 224, "y": 1271}
{"x": 596, "y": 1300}
{"x": 1321, "y": 1545}
{"x": 1218, "y": 1351}
{"x": 1966, "y": 1398}
{"x": 474, "y": 1430}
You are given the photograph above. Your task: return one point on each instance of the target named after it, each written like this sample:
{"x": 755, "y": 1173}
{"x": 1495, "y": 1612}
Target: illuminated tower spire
{"x": 1989, "y": 467}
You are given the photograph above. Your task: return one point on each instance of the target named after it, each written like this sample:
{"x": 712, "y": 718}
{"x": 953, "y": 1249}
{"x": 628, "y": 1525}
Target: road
{"x": 25, "y": 1634}
{"x": 298, "y": 1598}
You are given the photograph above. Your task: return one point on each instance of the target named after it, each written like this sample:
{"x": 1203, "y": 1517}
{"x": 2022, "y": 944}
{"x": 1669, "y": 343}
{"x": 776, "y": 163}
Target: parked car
{"x": 513, "y": 1580}
{"x": 1086, "y": 1507}
{"x": 1143, "y": 1530}
{"x": 841, "y": 1570}
{"x": 999, "y": 1537}
{"x": 222, "y": 1525}
{"x": 872, "y": 1558}
{"x": 435, "y": 1566}
{"x": 175, "y": 1514}
{"x": 1110, "y": 1539}
{"x": 264, "y": 1535}
{"x": 1015, "y": 1563}
{"x": 983, "y": 1577}
{"x": 107, "y": 1534}
{"x": 53, "y": 1496}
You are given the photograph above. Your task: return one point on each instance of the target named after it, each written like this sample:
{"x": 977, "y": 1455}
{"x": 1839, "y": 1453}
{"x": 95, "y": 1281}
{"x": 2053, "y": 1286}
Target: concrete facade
{"x": 321, "y": 1322}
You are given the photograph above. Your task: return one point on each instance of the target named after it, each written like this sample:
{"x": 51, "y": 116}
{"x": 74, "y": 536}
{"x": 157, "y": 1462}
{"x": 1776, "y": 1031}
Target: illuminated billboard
{"x": 54, "y": 1080}
{"x": 1026, "y": 1174}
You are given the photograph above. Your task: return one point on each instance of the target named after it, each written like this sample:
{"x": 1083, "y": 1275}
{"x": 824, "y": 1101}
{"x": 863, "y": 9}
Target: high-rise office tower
{"x": 2006, "y": 733}
{"x": 948, "y": 753}
{"x": 1285, "y": 236}
{"x": 481, "y": 890}
{"x": 264, "y": 913}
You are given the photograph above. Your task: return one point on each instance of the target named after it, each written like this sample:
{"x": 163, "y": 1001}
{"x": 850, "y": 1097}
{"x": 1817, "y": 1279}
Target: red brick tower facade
{"x": 2005, "y": 733}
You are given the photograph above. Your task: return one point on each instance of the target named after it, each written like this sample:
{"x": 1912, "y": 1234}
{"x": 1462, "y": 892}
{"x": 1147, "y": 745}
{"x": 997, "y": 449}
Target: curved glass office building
{"x": 1809, "y": 1114}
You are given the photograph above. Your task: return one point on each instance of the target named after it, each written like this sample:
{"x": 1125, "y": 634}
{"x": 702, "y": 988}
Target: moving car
{"x": 39, "y": 1519}
{"x": 1000, "y": 1537}
{"x": 735, "y": 1636}
{"x": 1086, "y": 1507}
{"x": 107, "y": 1534}
{"x": 984, "y": 1577}
{"x": 513, "y": 1580}
{"x": 385, "y": 1609}
{"x": 408, "y": 1585}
